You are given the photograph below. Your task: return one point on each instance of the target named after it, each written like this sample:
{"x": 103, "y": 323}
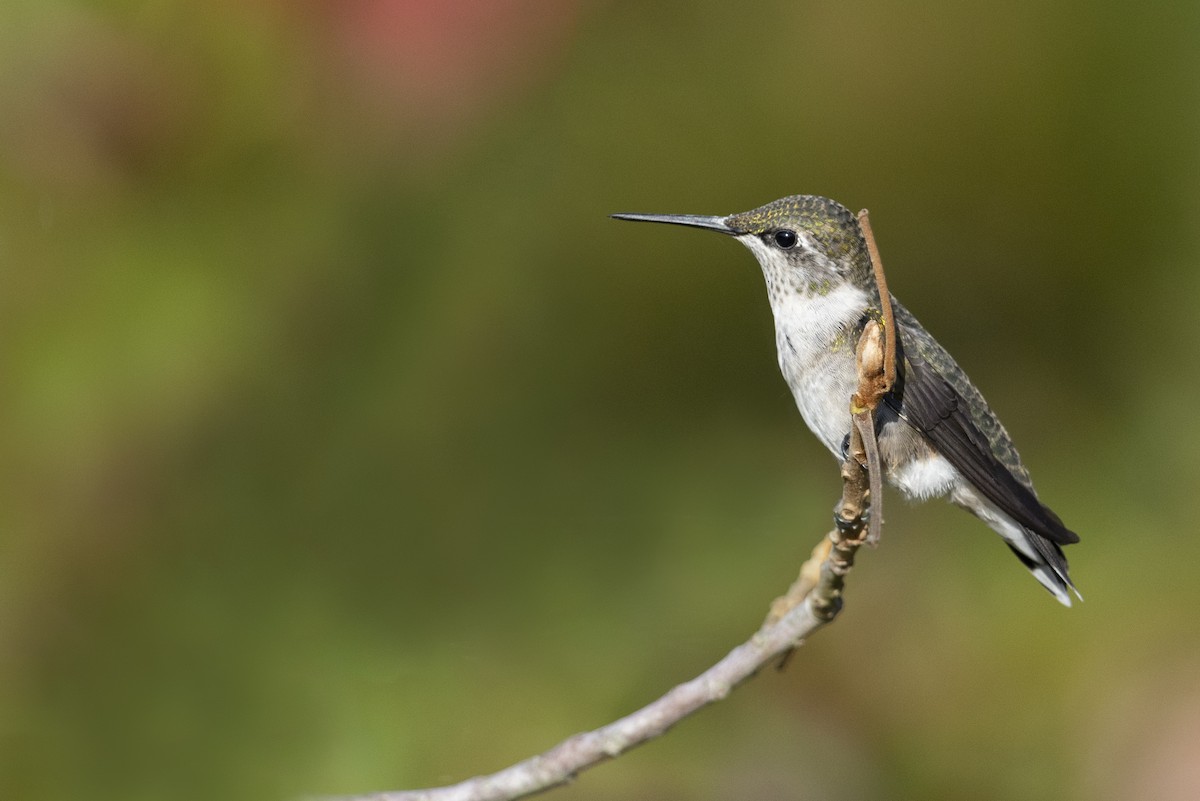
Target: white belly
{"x": 928, "y": 477}
{"x": 823, "y": 395}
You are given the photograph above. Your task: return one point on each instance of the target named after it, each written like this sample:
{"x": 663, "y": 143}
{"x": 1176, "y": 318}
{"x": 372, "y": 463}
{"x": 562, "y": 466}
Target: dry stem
{"x": 813, "y": 600}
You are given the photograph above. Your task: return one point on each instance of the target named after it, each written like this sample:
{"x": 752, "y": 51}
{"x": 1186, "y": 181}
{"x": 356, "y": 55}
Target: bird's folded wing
{"x": 933, "y": 406}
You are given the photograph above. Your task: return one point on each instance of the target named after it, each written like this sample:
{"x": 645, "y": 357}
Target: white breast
{"x": 812, "y": 322}
{"x": 816, "y": 358}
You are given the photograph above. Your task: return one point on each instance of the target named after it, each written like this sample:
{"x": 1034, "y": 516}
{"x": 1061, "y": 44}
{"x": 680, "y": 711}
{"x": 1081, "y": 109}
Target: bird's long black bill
{"x": 692, "y": 220}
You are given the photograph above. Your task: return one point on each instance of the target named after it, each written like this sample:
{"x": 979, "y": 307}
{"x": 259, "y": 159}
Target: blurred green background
{"x": 347, "y": 445}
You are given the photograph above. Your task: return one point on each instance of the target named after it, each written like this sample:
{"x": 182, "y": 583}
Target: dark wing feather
{"x": 933, "y": 405}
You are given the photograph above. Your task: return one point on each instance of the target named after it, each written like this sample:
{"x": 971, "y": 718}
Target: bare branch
{"x": 561, "y": 763}
{"x": 813, "y": 600}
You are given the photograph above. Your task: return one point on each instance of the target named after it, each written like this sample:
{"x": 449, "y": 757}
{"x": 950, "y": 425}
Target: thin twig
{"x": 561, "y": 763}
{"x": 814, "y": 602}
{"x": 885, "y": 301}
{"x": 864, "y": 448}
{"x": 818, "y": 606}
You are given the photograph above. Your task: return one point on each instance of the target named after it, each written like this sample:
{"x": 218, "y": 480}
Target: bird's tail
{"x": 1050, "y": 568}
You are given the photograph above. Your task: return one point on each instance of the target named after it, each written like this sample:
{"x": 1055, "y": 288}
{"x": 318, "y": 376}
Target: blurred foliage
{"x": 349, "y": 446}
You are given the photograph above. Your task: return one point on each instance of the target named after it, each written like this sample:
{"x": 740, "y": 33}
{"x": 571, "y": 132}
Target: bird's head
{"x": 805, "y": 244}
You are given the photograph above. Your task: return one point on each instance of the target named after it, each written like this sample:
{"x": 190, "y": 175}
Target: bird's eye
{"x": 785, "y": 239}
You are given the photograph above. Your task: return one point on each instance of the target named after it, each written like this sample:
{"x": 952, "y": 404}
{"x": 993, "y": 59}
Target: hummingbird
{"x": 937, "y": 436}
